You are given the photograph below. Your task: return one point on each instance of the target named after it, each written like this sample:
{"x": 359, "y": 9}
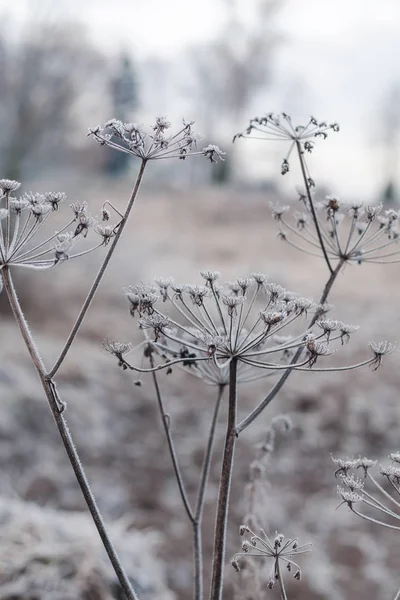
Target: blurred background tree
{"x": 390, "y": 122}
{"x": 229, "y": 73}
{"x": 45, "y": 70}
{"x": 124, "y": 101}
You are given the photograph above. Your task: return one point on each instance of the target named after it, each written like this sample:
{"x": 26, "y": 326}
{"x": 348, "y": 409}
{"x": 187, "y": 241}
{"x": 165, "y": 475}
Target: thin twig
{"x": 100, "y": 274}
{"x": 310, "y": 200}
{"x": 166, "y": 424}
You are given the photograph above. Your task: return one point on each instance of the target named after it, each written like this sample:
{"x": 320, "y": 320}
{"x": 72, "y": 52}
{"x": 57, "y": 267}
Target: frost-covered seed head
{"x": 116, "y": 348}
{"x": 210, "y": 276}
{"x": 352, "y": 482}
{"x": 395, "y": 457}
{"x": 259, "y": 278}
{"x": 349, "y": 497}
{"x": 8, "y": 185}
{"x": 106, "y": 232}
{"x": 391, "y": 472}
{"x": 164, "y": 283}
{"x": 213, "y": 153}
{"x": 54, "y": 199}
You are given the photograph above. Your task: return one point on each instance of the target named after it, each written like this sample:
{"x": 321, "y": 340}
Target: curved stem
{"x": 100, "y": 274}
{"x": 311, "y": 203}
{"x": 197, "y": 534}
{"x": 57, "y": 407}
{"x": 224, "y": 489}
{"x": 166, "y": 424}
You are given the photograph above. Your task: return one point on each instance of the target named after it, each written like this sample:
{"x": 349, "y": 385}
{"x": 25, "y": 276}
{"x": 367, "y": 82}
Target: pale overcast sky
{"x": 344, "y": 53}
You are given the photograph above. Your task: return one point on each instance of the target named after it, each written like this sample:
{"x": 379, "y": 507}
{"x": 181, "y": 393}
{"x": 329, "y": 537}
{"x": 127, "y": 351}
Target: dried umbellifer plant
{"x": 230, "y": 334}
{"x": 227, "y": 335}
{"x": 22, "y": 245}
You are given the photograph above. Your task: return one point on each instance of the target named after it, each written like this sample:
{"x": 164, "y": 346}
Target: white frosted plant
{"x": 282, "y": 552}
{"x": 373, "y": 498}
{"x": 228, "y": 335}
{"x": 27, "y": 242}
{"x": 225, "y": 335}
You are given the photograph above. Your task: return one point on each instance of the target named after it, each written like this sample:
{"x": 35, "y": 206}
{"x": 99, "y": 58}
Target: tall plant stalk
{"x": 56, "y": 407}
{"x": 100, "y": 273}
{"x": 224, "y": 489}
{"x": 195, "y": 515}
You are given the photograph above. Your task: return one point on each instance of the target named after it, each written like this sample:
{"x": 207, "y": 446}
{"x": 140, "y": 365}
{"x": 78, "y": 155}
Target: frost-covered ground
{"x": 117, "y": 430}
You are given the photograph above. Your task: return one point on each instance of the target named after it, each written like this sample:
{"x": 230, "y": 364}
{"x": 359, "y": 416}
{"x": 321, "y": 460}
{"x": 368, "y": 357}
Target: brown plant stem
{"x": 311, "y": 203}
{"x": 197, "y": 533}
{"x": 224, "y": 489}
{"x": 166, "y": 425}
{"x": 195, "y": 517}
{"x": 100, "y": 273}
{"x": 57, "y": 407}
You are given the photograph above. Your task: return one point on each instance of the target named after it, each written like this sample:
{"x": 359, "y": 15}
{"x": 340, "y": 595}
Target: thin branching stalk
{"x": 281, "y": 582}
{"x": 195, "y": 517}
{"x": 311, "y": 203}
{"x": 57, "y": 406}
{"x": 197, "y": 533}
{"x": 224, "y": 489}
{"x": 165, "y": 418}
{"x": 280, "y": 383}
{"x": 100, "y": 274}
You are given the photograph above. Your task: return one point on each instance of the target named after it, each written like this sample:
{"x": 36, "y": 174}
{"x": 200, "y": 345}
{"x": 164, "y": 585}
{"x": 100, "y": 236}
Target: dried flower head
{"x": 154, "y": 144}
{"x": 283, "y": 553}
{"x": 350, "y": 231}
{"x": 219, "y": 323}
{"x": 280, "y": 127}
{"x": 22, "y": 219}
{"x": 379, "y": 350}
{"x": 369, "y": 493}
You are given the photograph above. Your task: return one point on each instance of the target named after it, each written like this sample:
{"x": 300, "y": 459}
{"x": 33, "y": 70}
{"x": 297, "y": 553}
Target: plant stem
{"x": 397, "y": 597}
{"x": 197, "y": 534}
{"x": 100, "y": 273}
{"x": 56, "y": 407}
{"x": 166, "y": 424}
{"x": 224, "y": 489}
{"x": 281, "y": 583}
{"x": 279, "y": 384}
{"x": 311, "y": 203}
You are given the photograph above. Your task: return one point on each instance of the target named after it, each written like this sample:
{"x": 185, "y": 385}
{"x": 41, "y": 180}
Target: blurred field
{"x": 176, "y": 232}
